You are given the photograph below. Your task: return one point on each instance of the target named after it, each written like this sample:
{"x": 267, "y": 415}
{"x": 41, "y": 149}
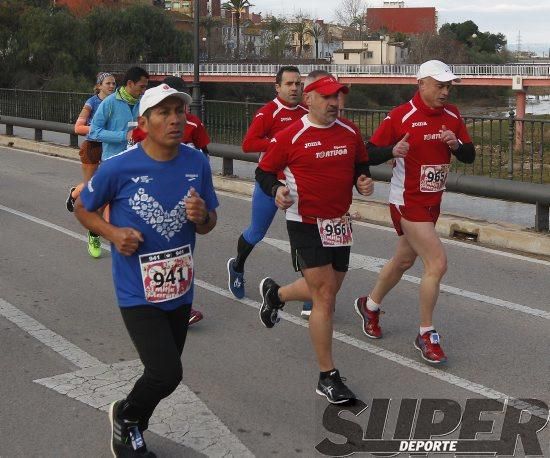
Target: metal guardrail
{"x": 502, "y": 152}
{"x": 403, "y": 70}
{"x": 514, "y": 191}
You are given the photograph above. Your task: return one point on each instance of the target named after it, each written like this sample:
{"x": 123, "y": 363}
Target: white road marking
{"x": 372, "y": 264}
{"x": 182, "y": 417}
{"x": 446, "y": 377}
{"x": 446, "y": 241}
{"x": 357, "y": 261}
{"x": 49, "y": 338}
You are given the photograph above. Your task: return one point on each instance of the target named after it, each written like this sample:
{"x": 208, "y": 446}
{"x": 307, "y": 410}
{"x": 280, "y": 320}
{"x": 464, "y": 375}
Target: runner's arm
{"x": 207, "y": 224}
{"x": 255, "y": 139}
{"x": 466, "y": 152}
{"x": 379, "y": 154}
{"x": 268, "y": 181}
{"x": 125, "y": 239}
{"x": 81, "y": 127}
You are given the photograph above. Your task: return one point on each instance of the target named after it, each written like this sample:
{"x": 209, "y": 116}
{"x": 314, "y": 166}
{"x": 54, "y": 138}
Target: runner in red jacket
{"x": 322, "y": 157}
{"x": 273, "y": 117}
{"x": 422, "y": 134}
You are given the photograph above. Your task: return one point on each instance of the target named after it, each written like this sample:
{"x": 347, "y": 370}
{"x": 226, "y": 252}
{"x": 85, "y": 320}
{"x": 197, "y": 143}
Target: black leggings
{"x": 159, "y": 338}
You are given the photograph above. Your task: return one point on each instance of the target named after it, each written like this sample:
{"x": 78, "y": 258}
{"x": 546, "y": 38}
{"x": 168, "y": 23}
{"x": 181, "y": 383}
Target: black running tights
{"x": 159, "y": 338}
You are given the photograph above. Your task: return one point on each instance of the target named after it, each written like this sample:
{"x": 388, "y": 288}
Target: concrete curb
{"x": 493, "y": 234}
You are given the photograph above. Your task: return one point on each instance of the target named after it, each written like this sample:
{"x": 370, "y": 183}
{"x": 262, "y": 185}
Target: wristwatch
{"x": 206, "y": 219}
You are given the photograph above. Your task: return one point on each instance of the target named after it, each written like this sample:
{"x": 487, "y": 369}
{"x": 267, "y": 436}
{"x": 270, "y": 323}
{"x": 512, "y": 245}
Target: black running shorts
{"x": 307, "y": 250}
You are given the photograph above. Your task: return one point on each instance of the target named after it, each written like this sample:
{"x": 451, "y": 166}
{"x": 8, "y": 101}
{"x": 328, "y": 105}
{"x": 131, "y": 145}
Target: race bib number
{"x": 433, "y": 177}
{"x": 167, "y": 275}
{"x": 335, "y": 232}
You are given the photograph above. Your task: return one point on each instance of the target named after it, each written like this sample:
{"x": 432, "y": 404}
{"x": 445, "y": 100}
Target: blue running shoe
{"x": 306, "y": 309}
{"x": 235, "y": 280}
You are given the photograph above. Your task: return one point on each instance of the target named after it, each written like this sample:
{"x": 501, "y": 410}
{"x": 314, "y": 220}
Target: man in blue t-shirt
{"x": 161, "y": 194}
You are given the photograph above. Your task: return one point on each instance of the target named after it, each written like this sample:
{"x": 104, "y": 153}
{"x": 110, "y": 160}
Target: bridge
{"x": 531, "y": 75}
{"x": 519, "y": 77}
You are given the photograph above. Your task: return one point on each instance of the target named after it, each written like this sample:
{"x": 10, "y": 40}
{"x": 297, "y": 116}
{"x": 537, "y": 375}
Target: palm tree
{"x": 277, "y": 28}
{"x": 299, "y": 28}
{"x": 316, "y": 31}
{"x": 208, "y": 23}
{"x": 237, "y": 7}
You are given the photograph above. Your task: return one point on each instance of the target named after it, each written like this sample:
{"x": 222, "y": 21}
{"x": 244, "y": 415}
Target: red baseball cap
{"x": 327, "y": 85}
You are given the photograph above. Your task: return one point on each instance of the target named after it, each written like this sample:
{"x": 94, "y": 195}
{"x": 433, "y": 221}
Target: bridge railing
{"x": 465, "y": 70}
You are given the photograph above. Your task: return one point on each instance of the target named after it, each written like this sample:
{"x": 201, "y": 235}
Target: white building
{"x": 371, "y": 52}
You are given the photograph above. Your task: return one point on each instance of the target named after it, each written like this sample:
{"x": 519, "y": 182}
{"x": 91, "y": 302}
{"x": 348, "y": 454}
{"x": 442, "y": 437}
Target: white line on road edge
{"x": 458, "y": 243}
{"x": 49, "y": 338}
{"x": 386, "y": 354}
{"x": 182, "y": 417}
{"x": 446, "y": 241}
{"x": 357, "y": 261}
{"x": 372, "y": 264}
{"x": 391, "y": 356}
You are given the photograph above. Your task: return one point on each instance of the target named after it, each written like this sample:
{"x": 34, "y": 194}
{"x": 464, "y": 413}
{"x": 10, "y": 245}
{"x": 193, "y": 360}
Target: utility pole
{"x": 196, "y": 91}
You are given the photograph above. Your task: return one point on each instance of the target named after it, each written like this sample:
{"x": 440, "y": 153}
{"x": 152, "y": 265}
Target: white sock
{"x": 372, "y": 306}
{"x": 425, "y": 329}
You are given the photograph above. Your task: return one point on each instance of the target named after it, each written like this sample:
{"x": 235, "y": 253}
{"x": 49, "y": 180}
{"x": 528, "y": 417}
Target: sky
{"x": 529, "y": 18}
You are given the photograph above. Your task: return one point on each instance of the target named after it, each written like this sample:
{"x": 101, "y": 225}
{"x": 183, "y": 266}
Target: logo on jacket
{"x": 311, "y": 144}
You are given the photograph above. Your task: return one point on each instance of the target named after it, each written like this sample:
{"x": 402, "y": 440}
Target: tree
{"x": 53, "y": 50}
{"x": 237, "y": 7}
{"x": 352, "y": 14}
{"x": 300, "y": 28}
{"x": 316, "y": 31}
{"x": 469, "y": 34}
{"x": 208, "y": 23}
{"x": 443, "y": 47}
{"x": 139, "y": 33}
{"x": 277, "y": 28}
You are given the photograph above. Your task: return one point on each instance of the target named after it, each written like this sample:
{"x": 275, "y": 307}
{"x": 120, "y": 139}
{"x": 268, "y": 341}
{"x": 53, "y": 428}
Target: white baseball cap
{"x": 155, "y": 95}
{"x": 437, "y": 70}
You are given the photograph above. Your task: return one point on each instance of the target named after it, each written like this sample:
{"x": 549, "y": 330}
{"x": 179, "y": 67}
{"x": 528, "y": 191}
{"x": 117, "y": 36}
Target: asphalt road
{"x": 256, "y": 387}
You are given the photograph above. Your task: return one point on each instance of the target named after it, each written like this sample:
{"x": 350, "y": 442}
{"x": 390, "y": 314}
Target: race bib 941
{"x": 336, "y": 231}
{"x": 167, "y": 275}
{"x": 433, "y": 177}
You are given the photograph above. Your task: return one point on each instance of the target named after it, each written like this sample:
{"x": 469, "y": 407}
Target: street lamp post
{"x": 204, "y": 48}
{"x": 196, "y": 91}
{"x": 277, "y": 38}
{"x": 381, "y": 49}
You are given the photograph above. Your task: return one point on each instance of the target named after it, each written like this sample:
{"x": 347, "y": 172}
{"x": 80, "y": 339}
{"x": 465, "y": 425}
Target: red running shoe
{"x": 371, "y": 328}
{"x": 428, "y": 345}
{"x": 195, "y": 317}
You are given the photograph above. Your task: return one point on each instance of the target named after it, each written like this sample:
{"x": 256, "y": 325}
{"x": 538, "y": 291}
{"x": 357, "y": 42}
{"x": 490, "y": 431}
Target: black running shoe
{"x": 269, "y": 311}
{"x": 70, "y": 200}
{"x": 126, "y": 438}
{"x": 333, "y": 388}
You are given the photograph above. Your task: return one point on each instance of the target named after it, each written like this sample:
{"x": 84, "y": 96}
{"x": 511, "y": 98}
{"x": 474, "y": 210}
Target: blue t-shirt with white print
{"x": 148, "y": 195}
